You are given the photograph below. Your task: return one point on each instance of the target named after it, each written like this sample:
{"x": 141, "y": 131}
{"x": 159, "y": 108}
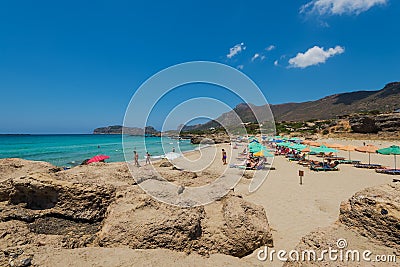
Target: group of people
{"x": 136, "y": 158}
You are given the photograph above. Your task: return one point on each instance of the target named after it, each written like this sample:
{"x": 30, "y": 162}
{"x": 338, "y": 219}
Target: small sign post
{"x": 301, "y": 174}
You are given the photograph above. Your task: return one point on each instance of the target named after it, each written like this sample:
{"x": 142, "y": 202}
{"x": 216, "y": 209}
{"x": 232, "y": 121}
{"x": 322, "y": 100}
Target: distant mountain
{"x": 117, "y": 129}
{"x": 384, "y": 100}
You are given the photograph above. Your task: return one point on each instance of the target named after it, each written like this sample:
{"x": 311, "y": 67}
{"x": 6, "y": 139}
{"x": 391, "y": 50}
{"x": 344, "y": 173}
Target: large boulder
{"x": 230, "y": 226}
{"x": 40, "y": 195}
{"x": 364, "y": 125}
{"x": 369, "y": 220}
{"x": 375, "y": 213}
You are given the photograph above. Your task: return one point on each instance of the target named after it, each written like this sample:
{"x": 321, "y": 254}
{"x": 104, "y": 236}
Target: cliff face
{"x": 375, "y": 124}
{"x": 118, "y": 129}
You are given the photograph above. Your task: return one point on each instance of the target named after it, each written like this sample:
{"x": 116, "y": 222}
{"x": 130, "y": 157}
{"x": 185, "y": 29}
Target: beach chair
{"x": 346, "y": 161}
{"x": 368, "y": 166}
{"x": 388, "y": 171}
{"x": 325, "y": 168}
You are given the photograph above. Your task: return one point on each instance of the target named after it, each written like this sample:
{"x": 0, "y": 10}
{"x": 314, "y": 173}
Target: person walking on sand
{"x": 136, "y": 158}
{"x": 148, "y": 158}
{"x": 224, "y": 156}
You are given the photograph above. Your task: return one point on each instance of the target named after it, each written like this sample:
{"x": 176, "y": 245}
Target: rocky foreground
{"x": 46, "y": 211}
{"x": 97, "y": 215}
{"x": 369, "y": 220}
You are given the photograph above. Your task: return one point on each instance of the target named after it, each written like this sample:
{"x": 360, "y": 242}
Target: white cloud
{"x": 236, "y": 50}
{"x": 256, "y": 55}
{"x": 271, "y": 47}
{"x": 240, "y": 67}
{"x": 276, "y": 63}
{"x": 339, "y": 7}
{"x": 263, "y": 57}
{"x": 314, "y": 56}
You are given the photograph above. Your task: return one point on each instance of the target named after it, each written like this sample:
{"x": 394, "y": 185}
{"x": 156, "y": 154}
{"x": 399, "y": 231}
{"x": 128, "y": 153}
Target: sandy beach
{"x": 294, "y": 210}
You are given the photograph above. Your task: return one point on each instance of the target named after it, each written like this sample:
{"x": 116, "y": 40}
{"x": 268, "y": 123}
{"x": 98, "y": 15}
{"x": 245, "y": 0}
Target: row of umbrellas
{"x": 258, "y": 149}
{"x": 370, "y": 149}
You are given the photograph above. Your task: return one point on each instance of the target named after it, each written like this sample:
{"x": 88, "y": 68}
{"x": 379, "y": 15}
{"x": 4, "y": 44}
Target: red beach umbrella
{"x": 97, "y": 158}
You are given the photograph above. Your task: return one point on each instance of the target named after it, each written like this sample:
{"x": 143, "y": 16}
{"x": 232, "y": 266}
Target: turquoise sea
{"x": 71, "y": 149}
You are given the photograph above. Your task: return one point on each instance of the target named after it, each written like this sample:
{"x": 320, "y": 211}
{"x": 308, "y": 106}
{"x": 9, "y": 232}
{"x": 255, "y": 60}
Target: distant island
{"x": 119, "y": 129}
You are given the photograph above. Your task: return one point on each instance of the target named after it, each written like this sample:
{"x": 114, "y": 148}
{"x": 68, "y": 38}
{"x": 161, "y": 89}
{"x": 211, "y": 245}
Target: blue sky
{"x": 72, "y": 66}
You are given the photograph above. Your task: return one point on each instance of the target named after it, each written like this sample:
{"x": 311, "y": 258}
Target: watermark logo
{"x": 158, "y": 88}
{"x": 340, "y": 253}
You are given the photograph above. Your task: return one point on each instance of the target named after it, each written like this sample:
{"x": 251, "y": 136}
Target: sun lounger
{"x": 368, "y": 166}
{"x": 304, "y": 163}
{"x": 346, "y": 161}
{"x": 325, "y": 168}
{"x": 388, "y": 171}
{"x": 335, "y": 158}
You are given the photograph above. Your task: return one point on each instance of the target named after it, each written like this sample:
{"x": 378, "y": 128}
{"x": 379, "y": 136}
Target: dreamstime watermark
{"x": 338, "y": 254}
{"x": 156, "y": 89}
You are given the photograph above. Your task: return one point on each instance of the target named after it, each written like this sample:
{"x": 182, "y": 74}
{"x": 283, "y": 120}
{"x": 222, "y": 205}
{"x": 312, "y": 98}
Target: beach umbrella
{"x": 348, "y": 148}
{"x": 307, "y": 150}
{"x": 312, "y": 143}
{"x": 255, "y": 147}
{"x": 263, "y": 153}
{"x": 392, "y": 150}
{"x": 285, "y": 144}
{"x": 97, "y": 158}
{"x": 297, "y": 146}
{"x": 367, "y": 149}
{"x": 334, "y": 145}
{"x": 323, "y": 149}
{"x": 294, "y": 139}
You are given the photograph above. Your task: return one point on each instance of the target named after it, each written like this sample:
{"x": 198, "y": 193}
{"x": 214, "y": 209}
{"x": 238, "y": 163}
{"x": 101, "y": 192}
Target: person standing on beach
{"x": 136, "y": 158}
{"x": 224, "y": 156}
{"x": 148, "y": 158}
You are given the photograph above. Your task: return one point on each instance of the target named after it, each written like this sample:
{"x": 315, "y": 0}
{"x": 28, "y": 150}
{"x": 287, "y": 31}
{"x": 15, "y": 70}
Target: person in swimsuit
{"x": 224, "y": 156}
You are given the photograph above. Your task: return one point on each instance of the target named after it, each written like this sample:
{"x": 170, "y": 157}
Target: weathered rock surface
{"x": 375, "y": 124}
{"x": 364, "y": 125}
{"x": 38, "y": 195}
{"x": 210, "y": 139}
{"x": 369, "y": 220}
{"x": 375, "y": 213}
{"x": 101, "y": 205}
{"x": 166, "y": 163}
{"x": 137, "y": 221}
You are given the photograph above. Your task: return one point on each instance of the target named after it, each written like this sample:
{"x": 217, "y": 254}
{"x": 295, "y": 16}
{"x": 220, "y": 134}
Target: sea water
{"x": 71, "y": 150}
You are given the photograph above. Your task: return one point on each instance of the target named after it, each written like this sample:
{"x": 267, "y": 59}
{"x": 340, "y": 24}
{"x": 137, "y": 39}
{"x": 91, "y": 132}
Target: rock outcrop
{"x": 138, "y": 221}
{"x": 101, "y": 205}
{"x": 369, "y": 220}
{"x": 375, "y": 213}
{"x": 375, "y": 124}
{"x": 209, "y": 139}
{"x": 364, "y": 125}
